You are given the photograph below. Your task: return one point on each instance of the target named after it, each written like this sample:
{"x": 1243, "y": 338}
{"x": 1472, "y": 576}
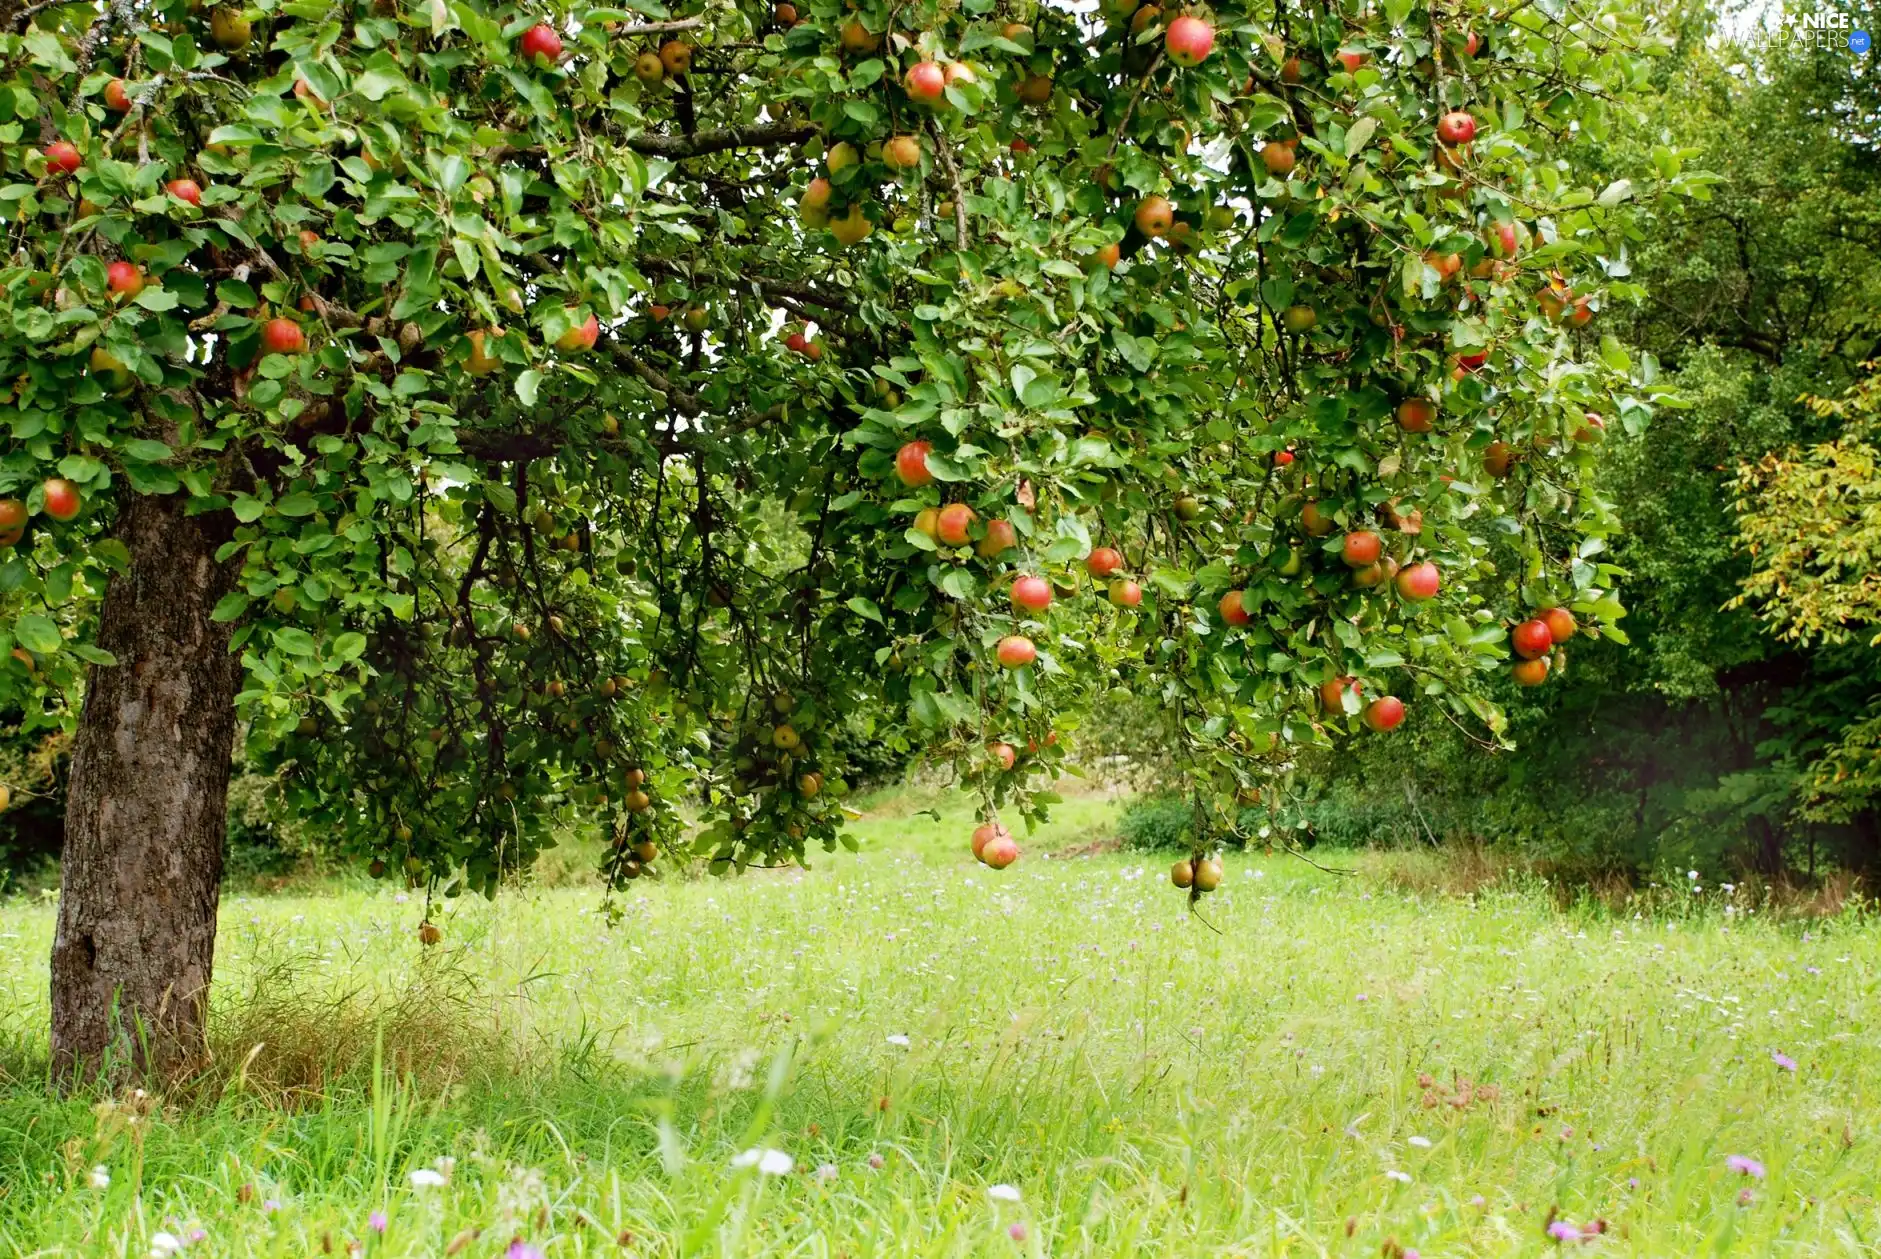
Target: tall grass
{"x": 1311, "y": 1065}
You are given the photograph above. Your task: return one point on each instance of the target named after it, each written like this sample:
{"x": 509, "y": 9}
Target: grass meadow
{"x": 901, "y": 1053}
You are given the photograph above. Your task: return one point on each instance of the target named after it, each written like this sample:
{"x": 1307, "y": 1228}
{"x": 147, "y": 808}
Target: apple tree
{"x": 505, "y": 415}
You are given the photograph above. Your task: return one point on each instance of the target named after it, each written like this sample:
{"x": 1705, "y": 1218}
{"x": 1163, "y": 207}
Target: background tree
{"x": 515, "y": 415}
{"x": 1694, "y": 745}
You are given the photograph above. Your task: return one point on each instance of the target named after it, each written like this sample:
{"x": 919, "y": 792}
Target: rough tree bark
{"x": 141, "y": 869}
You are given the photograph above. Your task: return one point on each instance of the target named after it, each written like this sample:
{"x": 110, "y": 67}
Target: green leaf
{"x": 349, "y": 646}
{"x": 38, "y": 634}
{"x": 295, "y": 642}
{"x": 864, "y": 607}
{"x": 526, "y": 385}
{"x": 299, "y": 503}
{"x": 236, "y": 294}
{"x": 147, "y": 450}
{"x": 230, "y": 607}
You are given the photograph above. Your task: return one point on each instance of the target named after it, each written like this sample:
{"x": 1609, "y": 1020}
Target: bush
{"x": 1157, "y": 822}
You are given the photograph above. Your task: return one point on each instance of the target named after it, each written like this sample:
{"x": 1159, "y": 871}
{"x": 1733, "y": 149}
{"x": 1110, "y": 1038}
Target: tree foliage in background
{"x": 1700, "y": 744}
{"x": 1811, "y": 520}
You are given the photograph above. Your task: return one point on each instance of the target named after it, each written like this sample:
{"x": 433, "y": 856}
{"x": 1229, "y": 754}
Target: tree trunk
{"x": 146, "y": 809}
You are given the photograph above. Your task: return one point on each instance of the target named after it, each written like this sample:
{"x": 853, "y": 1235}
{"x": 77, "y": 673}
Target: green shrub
{"x": 1157, "y": 822}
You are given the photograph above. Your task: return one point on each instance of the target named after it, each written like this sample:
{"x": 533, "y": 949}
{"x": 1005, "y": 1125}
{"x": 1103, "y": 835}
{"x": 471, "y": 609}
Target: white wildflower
{"x": 769, "y": 1162}
{"x": 163, "y": 1245}
{"x": 100, "y": 1177}
{"x": 1004, "y": 1193}
{"x": 425, "y": 1178}
{"x": 898, "y": 1039}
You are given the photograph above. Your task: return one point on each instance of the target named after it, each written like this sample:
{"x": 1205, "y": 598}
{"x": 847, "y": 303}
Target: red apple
{"x": 1103, "y": 561}
{"x": 1279, "y": 158}
{"x": 282, "y": 336}
{"x": 61, "y": 156}
{"x": 1498, "y": 459}
{"x": 1504, "y": 240}
{"x": 1532, "y": 638}
{"x": 1582, "y": 314}
{"x": 926, "y": 83}
{"x": 911, "y": 464}
{"x": 1282, "y": 458}
{"x": 1000, "y": 852}
{"x": 1188, "y": 40}
{"x": 1472, "y": 361}
{"x": 1126, "y": 593}
{"x": 956, "y": 520}
{"x": 185, "y": 190}
{"x": 1004, "y": 753}
{"x": 541, "y": 41}
{"x": 116, "y": 98}
{"x": 1316, "y": 522}
{"x": 1590, "y": 428}
{"x": 1445, "y": 265}
{"x": 902, "y": 153}
{"x": 1384, "y": 713}
{"x": 1362, "y": 548}
{"x": 125, "y": 279}
{"x": 581, "y": 337}
{"x": 61, "y": 498}
{"x": 797, "y": 342}
{"x": 1233, "y": 608}
{"x": 1456, "y": 127}
{"x": 1016, "y": 651}
{"x": 1351, "y": 59}
{"x": 1000, "y": 538}
{"x": 1531, "y": 672}
{"x": 1561, "y": 624}
{"x": 1110, "y": 256}
{"x": 858, "y": 38}
{"x": 1332, "y": 693}
{"x": 1419, "y": 582}
{"x": 1472, "y": 44}
{"x": 984, "y": 834}
{"x": 1155, "y": 216}
{"x": 1416, "y": 414}
{"x": 1034, "y": 594}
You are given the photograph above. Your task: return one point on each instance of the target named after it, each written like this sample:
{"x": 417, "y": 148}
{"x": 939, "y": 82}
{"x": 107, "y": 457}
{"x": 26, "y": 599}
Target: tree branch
{"x": 759, "y": 135}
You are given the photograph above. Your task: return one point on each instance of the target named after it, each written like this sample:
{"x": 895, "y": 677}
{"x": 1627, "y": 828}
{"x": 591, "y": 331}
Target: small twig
{"x": 1130, "y": 109}
{"x": 946, "y": 156}
{"x": 659, "y": 28}
{"x": 1288, "y": 848}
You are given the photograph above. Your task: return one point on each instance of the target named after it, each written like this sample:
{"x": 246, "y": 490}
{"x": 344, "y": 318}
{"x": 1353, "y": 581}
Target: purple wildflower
{"x": 1745, "y": 1165}
{"x": 1745, "y": 1197}
{"x": 1410, "y": 1252}
{"x": 875, "y": 1161}
{"x": 376, "y": 1221}
{"x": 1632, "y": 1182}
{"x": 1562, "y": 1231}
{"x": 1783, "y": 1060}
{"x": 520, "y": 1249}
{"x": 1016, "y": 1232}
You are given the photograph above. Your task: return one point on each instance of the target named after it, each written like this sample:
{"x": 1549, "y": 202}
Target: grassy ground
{"x": 1057, "y": 1059}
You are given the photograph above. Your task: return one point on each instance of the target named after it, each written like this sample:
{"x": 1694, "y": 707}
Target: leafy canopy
{"x": 550, "y": 368}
